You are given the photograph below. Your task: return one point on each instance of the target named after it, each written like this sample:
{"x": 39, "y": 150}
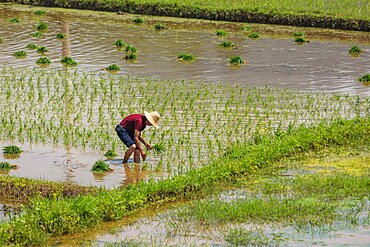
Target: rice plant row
{"x": 80, "y": 109}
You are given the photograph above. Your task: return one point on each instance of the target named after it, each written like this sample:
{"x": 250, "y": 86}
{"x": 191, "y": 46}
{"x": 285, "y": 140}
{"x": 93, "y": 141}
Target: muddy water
{"x": 57, "y": 164}
{"x": 321, "y": 65}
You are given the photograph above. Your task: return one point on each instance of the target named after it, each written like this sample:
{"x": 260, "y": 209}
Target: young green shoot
{"x": 100, "y": 166}
{"x": 12, "y": 149}
{"x": 43, "y": 61}
{"x": 254, "y": 36}
{"x": 42, "y": 27}
{"x": 186, "y": 57}
{"x": 32, "y": 46}
{"x": 14, "y": 20}
{"x": 355, "y": 50}
{"x": 159, "y": 26}
{"x": 61, "y": 36}
{"x": 236, "y": 60}
{"x": 68, "y": 61}
{"x": 120, "y": 43}
{"x": 36, "y": 34}
{"x": 6, "y": 166}
{"x": 42, "y": 49}
{"x": 158, "y": 148}
{"x": 39, "y": 12}
{"x": 298, "y": 34}
{"x": 365, "y": 79}
{"x": 110, "y": 154}
{"x": 113, "y": 68}
{"x": 20, "y": 54}
{"x": 227, "y": 44}
{"x": 221, "y": 33}
{"x": 138, "y": 20}
{"x": 300, "y": 40}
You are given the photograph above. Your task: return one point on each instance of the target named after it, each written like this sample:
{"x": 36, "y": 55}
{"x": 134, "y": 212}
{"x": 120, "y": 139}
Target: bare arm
{"x": 147, "y": 145}
{"x": 137, "y": 139}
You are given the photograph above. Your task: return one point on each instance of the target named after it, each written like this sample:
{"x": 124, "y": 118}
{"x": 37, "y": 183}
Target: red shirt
{"x": 134, "y": 122}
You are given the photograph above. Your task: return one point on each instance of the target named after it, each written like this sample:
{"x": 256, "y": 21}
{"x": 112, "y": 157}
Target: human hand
{"x": 148, "y": 146}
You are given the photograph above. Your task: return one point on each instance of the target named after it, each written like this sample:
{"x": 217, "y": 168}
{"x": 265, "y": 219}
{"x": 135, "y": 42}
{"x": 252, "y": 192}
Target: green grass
{"x": 58, "y": 216}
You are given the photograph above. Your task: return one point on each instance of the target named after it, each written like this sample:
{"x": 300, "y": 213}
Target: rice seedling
{"x": 254, "y": 36}
{"x": 32, "y": 46}
{"x": 221, "y": 33}
{"x": 186, "y": 57}
{"x": 247, "y": 28}
{"x": 1, "y": 40}
{"x": 130, "y": 48}
{"x": 68, "y": 61}
{"x": 298, "y": 34}
{"x": 355, "y": 50}
{"x": 227, "y": 44}
{"x": 159, "y": 148}
{"x": 42, "y": 49}
{"x": 37, "y": 34}
{"x": 130, "y": 56}
{"x": 236, "y": 60}
{"x": 61, "y": 36}
{"x": 12, "y": 149}
{"x": 159, "y": 26}
{"x": 42, "y": 27}
{"x": 113, "y": 68}
{"x": 138, "y": 20}
{"x": 43, "y": 61}
{"x": 14, "y": 20}
{"x": 365, "y": 79}
{"x": 120, "y": 43}
{"x": 39, "y": 12}
{"x": 7, "y": 166}
{"x": 100, "y": 167}
{"x": 110, "y": 154}
{"x": 20, "y": 54}
{"x": 300, "y": 40}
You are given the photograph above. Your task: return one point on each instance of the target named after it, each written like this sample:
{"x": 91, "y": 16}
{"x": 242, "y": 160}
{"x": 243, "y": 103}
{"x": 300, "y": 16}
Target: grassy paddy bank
{"x": 346, "y": 14}
{"x": 46, "y": 217}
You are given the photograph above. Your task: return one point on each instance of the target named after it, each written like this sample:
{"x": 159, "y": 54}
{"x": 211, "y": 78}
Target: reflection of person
{"x": 129, "y": 131}
{"x": 133, "y": 176}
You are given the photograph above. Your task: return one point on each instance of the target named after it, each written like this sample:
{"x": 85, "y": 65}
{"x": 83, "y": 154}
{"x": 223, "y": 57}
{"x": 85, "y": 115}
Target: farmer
{"x": 129, "y": 131}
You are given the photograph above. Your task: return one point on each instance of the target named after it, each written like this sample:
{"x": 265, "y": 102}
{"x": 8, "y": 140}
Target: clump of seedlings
{"x": 100, "y": 166}
{"x": 159, "y": 26}
{"x": 365, "y": 79}
{"x": 68, "y": 61}
{"x": 32, "y": 46}
{"x": 120, "y": 43}
{"x": 39, "y": 12}
{"x": 113, "y": 68}
{"x": 43, "y": 61}
{"x": 298, "y": 34}
{"x": 236, "y": 60}
{"x": 247, "y": 29}
{"x": 110, "y": 154}
{"x": 355, "y": 50}
{"x": 158, "y": 148}
{"x": 130, "y": 52}
{"x": 61, "y": 36}
{"x": 42, "y": 27}
{"x": 138, "y": 20}
{"x": 227, "y": 44}
{"x": 14, "y": 20}
{"x": 186, "y": 57}
{"x": 42, "y": 49}
{"x": 12, "y": 150}
{"x": 20, "y": 54}
{"x": 221, "y": 33}
{"x": 36, "y": 34}
{"x": 6, "y": 166}
{"x": 254, "y": 36}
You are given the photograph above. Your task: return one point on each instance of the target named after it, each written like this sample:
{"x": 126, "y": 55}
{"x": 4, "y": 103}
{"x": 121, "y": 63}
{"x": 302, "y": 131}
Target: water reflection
{"x": 133, "y": 175}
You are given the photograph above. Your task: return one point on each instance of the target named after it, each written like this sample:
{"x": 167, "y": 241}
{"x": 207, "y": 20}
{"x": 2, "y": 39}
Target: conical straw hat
{"x": 153, "y": 117}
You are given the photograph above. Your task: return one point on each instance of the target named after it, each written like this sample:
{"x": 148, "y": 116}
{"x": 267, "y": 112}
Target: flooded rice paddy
{"x": 64, "y": 118}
